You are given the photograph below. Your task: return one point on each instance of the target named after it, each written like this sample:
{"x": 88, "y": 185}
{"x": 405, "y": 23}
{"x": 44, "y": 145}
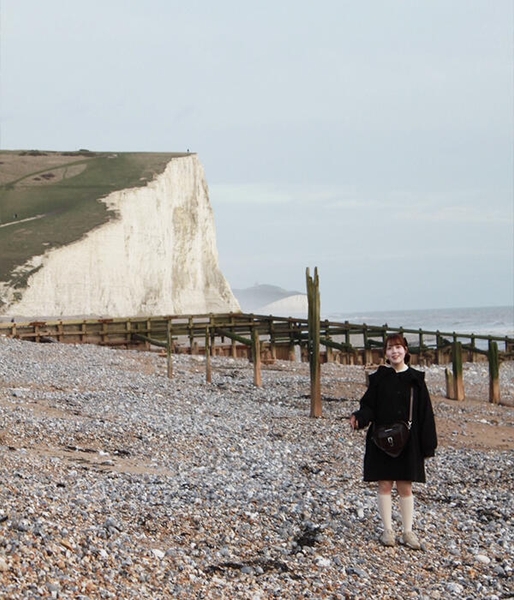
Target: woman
{"x": 387, "y": 400}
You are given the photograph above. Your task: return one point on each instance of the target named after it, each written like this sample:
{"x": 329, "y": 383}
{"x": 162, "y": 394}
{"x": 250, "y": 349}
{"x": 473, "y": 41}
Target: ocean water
{"x": 488, "y": 320}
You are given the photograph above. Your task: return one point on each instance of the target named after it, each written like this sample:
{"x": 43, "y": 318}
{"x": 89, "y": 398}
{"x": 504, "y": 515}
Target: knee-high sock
{"x": 385, "y": 510}
{"x": 407, "y": 512}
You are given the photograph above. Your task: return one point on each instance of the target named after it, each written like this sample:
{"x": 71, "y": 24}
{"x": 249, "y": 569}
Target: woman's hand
{"x": 354, "y": 423}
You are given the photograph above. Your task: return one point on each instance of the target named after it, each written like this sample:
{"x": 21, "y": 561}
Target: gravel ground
{"x": 117, "y": 482}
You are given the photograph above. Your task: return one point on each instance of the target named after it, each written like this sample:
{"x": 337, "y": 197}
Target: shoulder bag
{"x": 392, "y": 438}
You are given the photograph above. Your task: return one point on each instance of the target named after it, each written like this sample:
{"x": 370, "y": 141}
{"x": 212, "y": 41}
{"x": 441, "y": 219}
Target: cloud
{"x": 249, "y": 194}
{"x": 326, "y": 197}
{"x": 455, "y": 214}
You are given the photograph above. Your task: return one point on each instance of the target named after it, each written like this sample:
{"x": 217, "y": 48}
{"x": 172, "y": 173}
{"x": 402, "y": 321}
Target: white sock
{"x": 407, "y": 512}
{"x": 385, "y": 510}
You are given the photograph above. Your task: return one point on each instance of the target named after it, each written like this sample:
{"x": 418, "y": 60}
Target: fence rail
{"x": 263, "y": 338}
{"x": 280, "y": 337}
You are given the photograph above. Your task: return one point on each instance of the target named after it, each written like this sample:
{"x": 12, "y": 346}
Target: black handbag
{"x": 393, "y": 438}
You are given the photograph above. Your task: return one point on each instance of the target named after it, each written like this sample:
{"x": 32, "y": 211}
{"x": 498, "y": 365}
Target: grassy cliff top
{"x": 50, "y": 199}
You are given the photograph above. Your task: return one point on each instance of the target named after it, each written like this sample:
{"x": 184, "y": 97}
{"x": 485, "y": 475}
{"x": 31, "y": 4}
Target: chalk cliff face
{"x": 157, "y": 255}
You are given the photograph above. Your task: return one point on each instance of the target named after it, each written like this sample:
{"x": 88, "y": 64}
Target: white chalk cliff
{"x": 156, "y": 256}
{"x": 292, "y": 306}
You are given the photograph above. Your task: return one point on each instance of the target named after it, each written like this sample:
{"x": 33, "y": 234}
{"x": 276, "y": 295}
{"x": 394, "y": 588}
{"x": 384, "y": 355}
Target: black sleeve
{"x": 366, "y": 412}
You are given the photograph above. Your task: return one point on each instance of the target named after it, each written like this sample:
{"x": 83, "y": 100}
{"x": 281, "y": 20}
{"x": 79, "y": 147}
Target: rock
{"x": 483, "y": 559}
{"x": 227, "y": 490}
{"x": 455, "y": 588}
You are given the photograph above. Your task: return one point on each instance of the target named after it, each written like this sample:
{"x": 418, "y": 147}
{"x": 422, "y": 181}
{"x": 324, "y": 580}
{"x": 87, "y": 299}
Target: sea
{"x": 486, "y": 320}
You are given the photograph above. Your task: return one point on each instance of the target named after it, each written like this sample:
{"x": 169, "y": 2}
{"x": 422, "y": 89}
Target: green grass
{"x": 71, "y": 207}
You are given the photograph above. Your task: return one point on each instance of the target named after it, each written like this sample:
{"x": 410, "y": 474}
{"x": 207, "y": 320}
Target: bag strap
{"x": 409, "y": 422}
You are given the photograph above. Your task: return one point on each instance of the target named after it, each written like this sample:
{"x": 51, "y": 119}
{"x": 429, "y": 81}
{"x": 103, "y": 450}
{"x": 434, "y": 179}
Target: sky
{"x": 371, "y": 139}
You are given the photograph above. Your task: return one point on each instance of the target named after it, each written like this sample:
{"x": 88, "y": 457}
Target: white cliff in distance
{"x": 156, "y": 256}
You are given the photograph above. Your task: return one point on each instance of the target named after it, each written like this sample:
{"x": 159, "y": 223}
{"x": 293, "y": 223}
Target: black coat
{"x": 387, "y": 400}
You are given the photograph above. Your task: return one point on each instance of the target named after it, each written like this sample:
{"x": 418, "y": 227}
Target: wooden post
{"x": 330, "y": 355}
{"x": 193, "y": 346}
{"x": 212, "y": 327}
{"x": 473, "y": 349}
{"x": 384, "y": 337}
{"x": 292, "y": 336}
{"x": 368, "y": 357}
{"x": 421, "y": 343}
{"x": 450, "y": 386}
{"x": 494, "y": 373}
{"x": 148, "y": 332}
{"x": 438, "y": 349}
{"x": 169, "y": 347}
{"x": 208, "y": 367}
{"x": 273, "y": 345}
{"x": 313, "y": 341}
{"x": 347, "y": 336}
{"x": 457, "y": 371}
{"x": 256, "y": 356}
{"x": 329, "y": 349}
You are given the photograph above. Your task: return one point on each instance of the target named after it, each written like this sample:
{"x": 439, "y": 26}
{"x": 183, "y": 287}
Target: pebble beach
{"x": 119, "y": 482}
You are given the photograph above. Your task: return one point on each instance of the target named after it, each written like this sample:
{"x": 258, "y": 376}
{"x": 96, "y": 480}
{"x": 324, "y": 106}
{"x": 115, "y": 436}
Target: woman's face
{"x": 395, "y": 353}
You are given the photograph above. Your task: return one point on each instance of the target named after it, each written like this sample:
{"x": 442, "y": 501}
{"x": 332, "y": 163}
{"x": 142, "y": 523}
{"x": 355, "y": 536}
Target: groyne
{"x": 283, "y": 338}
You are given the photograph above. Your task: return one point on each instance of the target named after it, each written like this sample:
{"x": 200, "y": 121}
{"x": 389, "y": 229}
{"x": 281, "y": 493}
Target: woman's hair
{"x": 397, "y": 338}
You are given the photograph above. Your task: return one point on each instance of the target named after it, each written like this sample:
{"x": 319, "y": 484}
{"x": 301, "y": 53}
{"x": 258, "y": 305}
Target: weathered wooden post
{"x": 494, "y": 373}
{"x": 439, "y": 349}
{"x": 368, "y": 355}
{"x": 256, "y": 356}
{"x": 233, "y": 345}
{"x": 169, "y": 347}
{"x": 450, "y": 386}
{"x": 291, "y": 354}
{"x": 421, "y": 343}
{"x": 348, "y": 353}
{"x": 208, "y": 366}
{"x": 273, "y": 344}
{"x": 473, "y": 349}
{"x": 212, "y": 327}
{"x": 329, "y": 349}
{"x": 292, "y": 347}
{"x": 313, "y": 327}
{"x": 193, "y": 346}
{"x": 458, "y": 379}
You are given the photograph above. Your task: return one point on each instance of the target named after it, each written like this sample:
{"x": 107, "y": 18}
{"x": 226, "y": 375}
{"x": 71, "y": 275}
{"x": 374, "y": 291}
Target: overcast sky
{"x": 372, "y": 139}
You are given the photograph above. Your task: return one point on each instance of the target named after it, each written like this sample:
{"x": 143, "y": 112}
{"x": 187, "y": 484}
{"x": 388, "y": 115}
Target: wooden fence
{"x": 266, "y": 338}
{"x": 283, "y": 338}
